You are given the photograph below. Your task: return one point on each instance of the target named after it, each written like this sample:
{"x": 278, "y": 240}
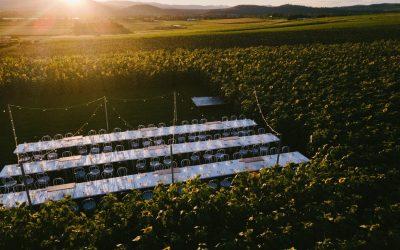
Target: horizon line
{"x": 248, "y": 4}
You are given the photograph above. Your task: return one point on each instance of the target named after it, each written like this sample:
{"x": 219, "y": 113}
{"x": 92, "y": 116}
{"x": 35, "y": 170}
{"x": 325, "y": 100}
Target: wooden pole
{"x": 106, "y": 112}
{"x": 172, "y": 165}
{"x": 279, "y": 151}
{"x": 174, "y": 120}
{"x": 20, "y": 164}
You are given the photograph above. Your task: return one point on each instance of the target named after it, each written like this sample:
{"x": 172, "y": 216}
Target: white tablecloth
{"x": 130, "y": 135}
{"x": 134, "y": 154}
{"x": 149, "y": 180}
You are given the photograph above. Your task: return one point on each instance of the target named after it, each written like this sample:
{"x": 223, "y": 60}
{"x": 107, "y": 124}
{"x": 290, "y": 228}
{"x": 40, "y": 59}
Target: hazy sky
{"x": 319, "y": 3}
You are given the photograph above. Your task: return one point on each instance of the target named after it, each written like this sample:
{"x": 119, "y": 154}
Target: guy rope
{"x": 269, "y": 126}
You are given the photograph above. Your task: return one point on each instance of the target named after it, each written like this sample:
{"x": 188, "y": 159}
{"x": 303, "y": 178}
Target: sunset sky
{"x": 319, "y": 3}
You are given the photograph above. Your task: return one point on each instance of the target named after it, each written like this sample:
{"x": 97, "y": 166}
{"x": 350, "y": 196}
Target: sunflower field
{"x": 338, "y": 103}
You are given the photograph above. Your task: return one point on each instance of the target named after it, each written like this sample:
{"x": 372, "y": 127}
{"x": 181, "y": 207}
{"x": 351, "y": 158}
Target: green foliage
{"x": 340, "y": 102}
{"x": 345, "y": 96}
{"x": 304, "y": 207}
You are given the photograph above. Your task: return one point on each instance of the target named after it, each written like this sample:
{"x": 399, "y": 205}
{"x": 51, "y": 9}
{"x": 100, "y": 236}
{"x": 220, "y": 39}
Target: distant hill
{"x": 91, "y": 8}
{"x": 122, "y": 4}
{"x": 146, "y": 10}
{"x": 290, "y": 10}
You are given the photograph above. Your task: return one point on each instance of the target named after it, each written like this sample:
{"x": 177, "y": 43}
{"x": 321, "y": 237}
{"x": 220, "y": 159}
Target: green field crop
{"x": 223, "y": 33}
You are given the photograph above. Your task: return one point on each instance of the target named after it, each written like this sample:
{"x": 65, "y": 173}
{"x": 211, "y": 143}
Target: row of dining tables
{"x": 141, "y": 180}
{"x": 149, "y": 132}
{"x": 135, "y": 154}
{"x": 149, "y": 180}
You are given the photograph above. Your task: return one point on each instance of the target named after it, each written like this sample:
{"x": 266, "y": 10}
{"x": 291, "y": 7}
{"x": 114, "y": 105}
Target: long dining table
{"x": 135, "y": 154}
{"x": 149, "y": 132}
{"x": 150, "y": 180}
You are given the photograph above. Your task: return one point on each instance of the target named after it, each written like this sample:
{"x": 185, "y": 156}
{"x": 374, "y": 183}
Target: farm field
{"x": 329, "y": 85}
{"x": 223, "y": 33}
{"x": 140, "y": 28}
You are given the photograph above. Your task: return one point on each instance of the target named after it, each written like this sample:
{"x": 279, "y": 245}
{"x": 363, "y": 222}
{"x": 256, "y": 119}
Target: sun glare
{"x": 73, "y": 2}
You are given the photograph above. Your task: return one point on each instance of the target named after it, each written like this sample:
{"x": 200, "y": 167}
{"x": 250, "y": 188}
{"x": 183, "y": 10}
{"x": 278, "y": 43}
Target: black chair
{"x": 135, "y": 144}
{"x": 261, "y": 131}
{"x": 185, "y": 163}
{"x": 92, "y": 132}
{"x": 69, "y": 134}
{"x": 155, "y": 164}
{"x": 119, "y": 148}
{"x": 141, "y": 165}
{"x": 237, "y": 155}
{"x": 208, "y": 156}
{"x": 52, "y": 156}
{"x": 227, "y": 182}
{"x": 88, "y": 205}
{"x": 58, "y": 181}
{"x": 147, "y": 195}
{"x": 108, "y": 171}
{"x": 285, "y": 149}
{"x": 167, "y": 161}
{"x": 107, "y": 148}
{"x": 42, "y": 180}
{"x": 82, "y": 150}
{"x": 195, "y": 158}
{"x": 181, "y": 139}
{"x": 95, "y": 149}
{"x": 66, "y": 154}
{"x": 79, "y": 174}
{"x": 94, "y": 172}
{"x": 29, "y": 181}
{"x": 38, "y": 156}
{"x": 171, "y": 141}
{"x": 122, "y": 171}
{"x": 19, "y": 188}
{"x": 58, "y": 137}
{"x": 213, "y": 184}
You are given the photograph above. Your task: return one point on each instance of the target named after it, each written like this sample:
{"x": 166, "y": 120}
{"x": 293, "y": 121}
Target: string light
{"x": 67, "y": 108}
{"x": 262, "y": 115}
{"x": 44, "y": 109}
{"x": 126, "y": 123}
{"x": 87, "y": 122}
{"x": 120, "y": 117}
{"x": 77, "y": 132}
{"x": 270, "y": 127}
{"x": 137, "y": 99}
